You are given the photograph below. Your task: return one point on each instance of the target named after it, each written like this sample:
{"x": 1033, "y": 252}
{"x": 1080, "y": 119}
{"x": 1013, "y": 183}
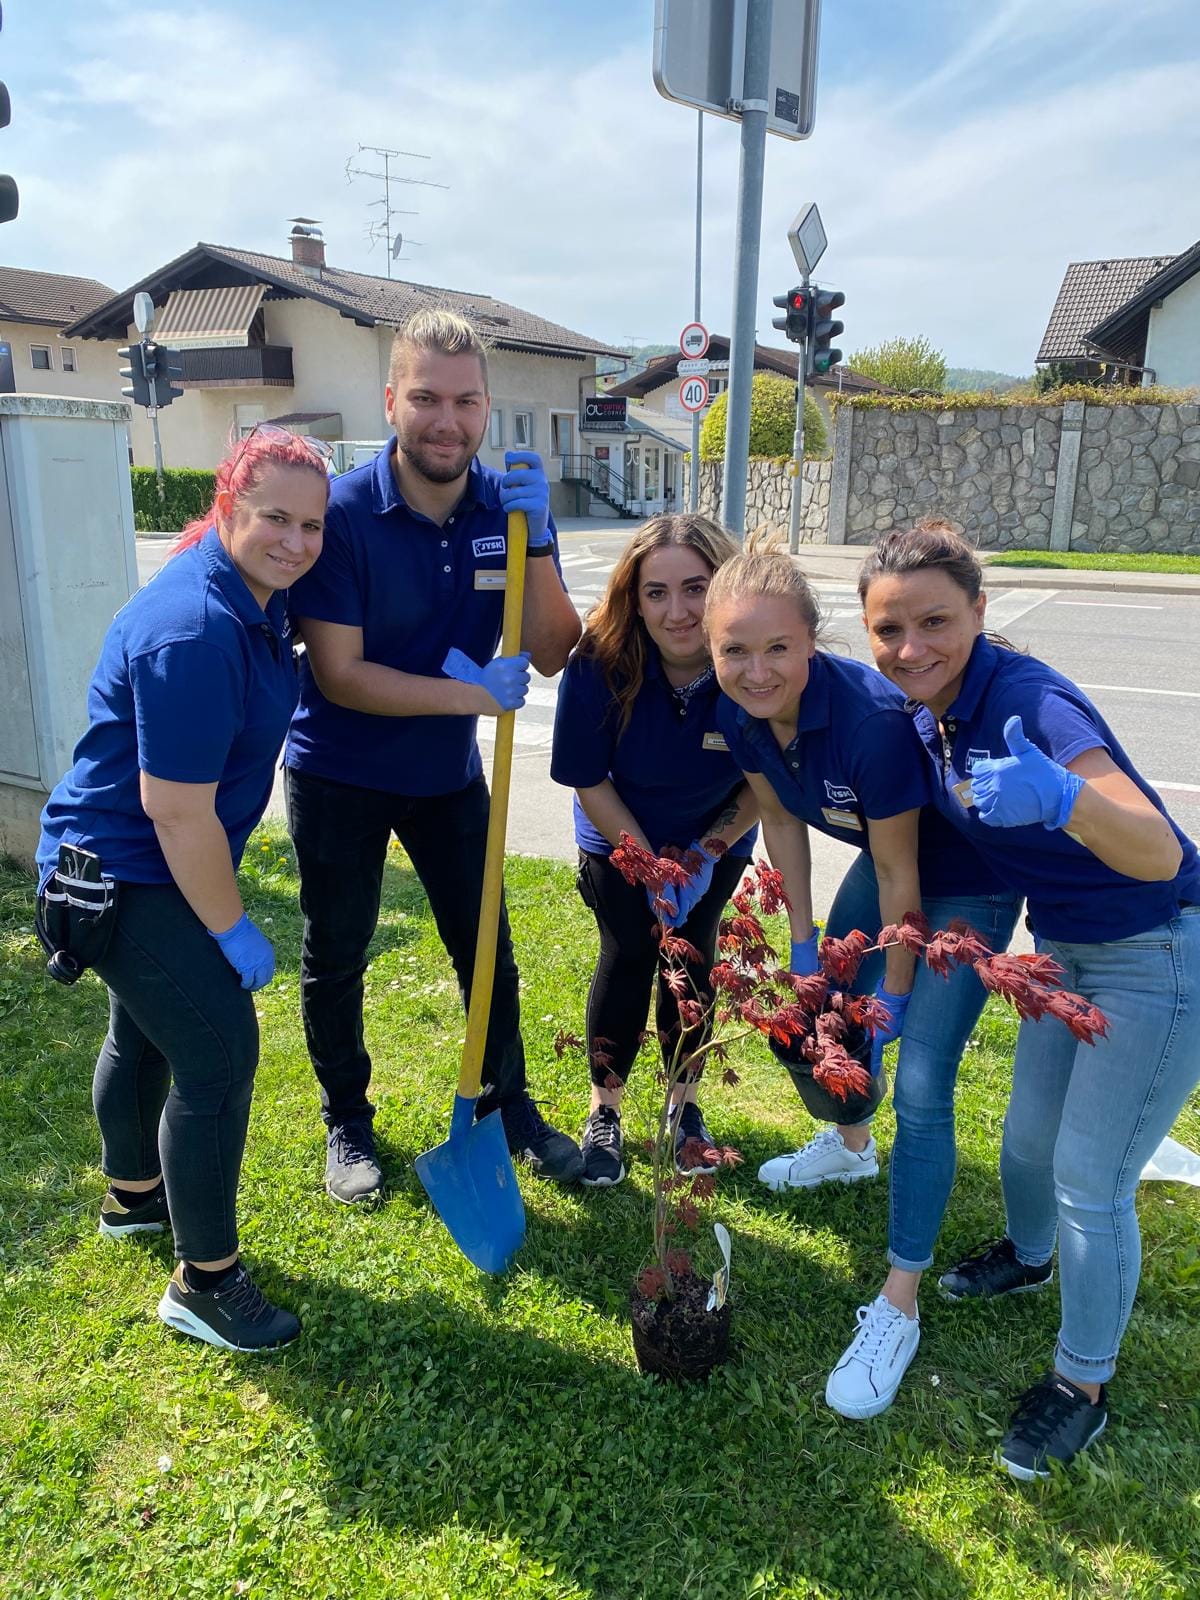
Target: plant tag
{"x": 963, "y": 793}
{"x": 720, "y": 1283}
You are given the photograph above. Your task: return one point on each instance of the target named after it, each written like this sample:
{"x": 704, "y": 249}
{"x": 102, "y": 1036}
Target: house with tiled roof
{"x": 298, "y": 341}
{"x": 36, "y": 355}
{"x": 1133, "y": 320}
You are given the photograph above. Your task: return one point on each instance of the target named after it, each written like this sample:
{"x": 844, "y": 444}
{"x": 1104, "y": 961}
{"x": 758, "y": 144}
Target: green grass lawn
{"x": 1087, "y": 561}
{"x": 438, "y": 1433}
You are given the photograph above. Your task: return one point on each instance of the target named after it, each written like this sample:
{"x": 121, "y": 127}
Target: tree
{"x": 772, "y": 421}
{"x": 902, "y": 364}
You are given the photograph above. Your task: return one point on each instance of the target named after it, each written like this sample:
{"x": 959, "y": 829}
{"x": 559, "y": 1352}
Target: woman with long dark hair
{"x": 187, "y": 712}
{"x": 636, "y": 737}
{"x": 1026, "y": 769}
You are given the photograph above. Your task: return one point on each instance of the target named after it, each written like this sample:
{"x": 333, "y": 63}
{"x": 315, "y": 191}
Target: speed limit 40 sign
{"x": 693, "y": 394}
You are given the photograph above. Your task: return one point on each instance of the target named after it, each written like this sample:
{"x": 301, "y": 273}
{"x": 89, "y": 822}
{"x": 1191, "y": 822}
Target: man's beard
{"x": 433, "y": 470}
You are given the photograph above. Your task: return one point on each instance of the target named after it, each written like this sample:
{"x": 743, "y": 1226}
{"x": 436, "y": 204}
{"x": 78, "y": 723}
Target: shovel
{"x": 470, "y": 1177}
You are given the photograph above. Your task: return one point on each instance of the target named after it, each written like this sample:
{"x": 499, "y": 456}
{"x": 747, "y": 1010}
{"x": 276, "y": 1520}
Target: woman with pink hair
{"x": 140, "y": 844}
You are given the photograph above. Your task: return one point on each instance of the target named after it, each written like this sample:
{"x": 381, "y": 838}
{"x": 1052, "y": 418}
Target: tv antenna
{"x": 380, "y": 231}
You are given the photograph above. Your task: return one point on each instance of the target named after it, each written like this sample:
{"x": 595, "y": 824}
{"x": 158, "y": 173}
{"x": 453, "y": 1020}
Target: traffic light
{"x": 10, "y": 201}
{"x": 823, "y": 329}
{"x": 794, "y": 323}
{"x": 162, "y": 365}
{"x": 139, "y": 383}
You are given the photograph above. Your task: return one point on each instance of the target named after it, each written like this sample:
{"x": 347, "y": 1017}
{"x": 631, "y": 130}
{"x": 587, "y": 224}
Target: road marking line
{"x": 1022, "y": 601}
{"x": 1179, "y": 788}
{"x": 1110, "y": 605}
{"x": 1126, "y": 688}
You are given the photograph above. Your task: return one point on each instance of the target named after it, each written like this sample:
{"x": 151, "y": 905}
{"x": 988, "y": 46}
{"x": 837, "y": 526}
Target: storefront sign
{"x": 603, "y": 413}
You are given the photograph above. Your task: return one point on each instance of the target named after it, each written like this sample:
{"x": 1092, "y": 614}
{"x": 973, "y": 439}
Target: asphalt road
{"x": 1136, "y": 655}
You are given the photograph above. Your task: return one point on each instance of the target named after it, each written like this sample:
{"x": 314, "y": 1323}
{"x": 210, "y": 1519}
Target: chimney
{"x": 308, "y": 245}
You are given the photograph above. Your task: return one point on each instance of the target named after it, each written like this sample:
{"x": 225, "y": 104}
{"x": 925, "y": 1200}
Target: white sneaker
{"x": 865, "y": 1380}
{"x": 824, "y": 1159}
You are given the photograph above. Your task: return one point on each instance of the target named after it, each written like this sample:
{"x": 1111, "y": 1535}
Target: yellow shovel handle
{"x": 471, "y": 1068}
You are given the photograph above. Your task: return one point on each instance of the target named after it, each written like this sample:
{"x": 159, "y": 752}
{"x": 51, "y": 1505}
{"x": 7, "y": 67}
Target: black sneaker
{"x": 601, "y": 1148}
{"x": 692, "y": 1139}
{"x": 237, "y": 1316}
{"x": 352, "y": 1171}
{"x": 531, "y": 1138}
{"x": 1053, "y": 1421}
{"x": 995, "y": 1270}
{"x": 118, "y": 1221}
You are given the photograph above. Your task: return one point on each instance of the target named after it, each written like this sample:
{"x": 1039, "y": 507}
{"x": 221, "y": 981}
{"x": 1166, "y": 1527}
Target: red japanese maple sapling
{"x": 815, "y": 1015}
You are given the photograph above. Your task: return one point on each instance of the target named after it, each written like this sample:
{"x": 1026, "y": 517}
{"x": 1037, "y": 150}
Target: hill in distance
{"x": 971, "y": 378}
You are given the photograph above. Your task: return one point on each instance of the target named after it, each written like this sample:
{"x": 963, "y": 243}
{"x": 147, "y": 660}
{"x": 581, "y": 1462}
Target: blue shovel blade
{"x": 471, "y": 1181}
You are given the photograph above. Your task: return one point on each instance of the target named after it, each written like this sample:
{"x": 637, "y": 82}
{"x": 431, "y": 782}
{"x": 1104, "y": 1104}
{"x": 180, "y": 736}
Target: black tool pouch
{"x": 76, "y": 914}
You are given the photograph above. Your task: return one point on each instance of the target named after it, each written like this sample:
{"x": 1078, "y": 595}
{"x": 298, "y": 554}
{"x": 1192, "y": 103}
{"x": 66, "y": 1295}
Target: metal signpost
{"x": 754, "y": 61}
{"x": 807, "y": 239}
{"x": 693, "y": 341}
{"x": 151, "y": 372}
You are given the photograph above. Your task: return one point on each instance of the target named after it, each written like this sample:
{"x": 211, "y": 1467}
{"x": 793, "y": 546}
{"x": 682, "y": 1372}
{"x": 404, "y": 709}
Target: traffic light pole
{"x": 753, "y": 113}
{"x": 798, "y": 447}
{"x": 152, "y": 413}
{"x": 694, "y": 496}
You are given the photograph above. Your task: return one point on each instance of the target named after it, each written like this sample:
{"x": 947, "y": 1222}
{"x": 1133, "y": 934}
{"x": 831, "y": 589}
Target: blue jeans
{"x": 1084, "y": 1119}
{"x": 940, "y": 1017}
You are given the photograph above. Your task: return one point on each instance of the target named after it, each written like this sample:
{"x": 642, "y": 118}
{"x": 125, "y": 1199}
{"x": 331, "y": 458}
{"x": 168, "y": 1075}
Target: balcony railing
{"x": 255, "y": 366}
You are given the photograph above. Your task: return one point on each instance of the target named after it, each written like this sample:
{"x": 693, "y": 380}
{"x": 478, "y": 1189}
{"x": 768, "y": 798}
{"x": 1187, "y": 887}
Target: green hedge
{"x": 187, "y": 493}
{"x": 964, "y": 400}
{"x": 772, "y": 421}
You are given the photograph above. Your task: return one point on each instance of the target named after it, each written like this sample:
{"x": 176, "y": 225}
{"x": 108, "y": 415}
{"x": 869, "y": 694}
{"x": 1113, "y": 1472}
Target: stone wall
{"x": 769, "y": 496}
{"x": 1066, "y": 477}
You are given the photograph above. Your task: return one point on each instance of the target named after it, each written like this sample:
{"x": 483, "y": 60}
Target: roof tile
{"x": 1091, "y": 291}
{"x": 49, "y": 297}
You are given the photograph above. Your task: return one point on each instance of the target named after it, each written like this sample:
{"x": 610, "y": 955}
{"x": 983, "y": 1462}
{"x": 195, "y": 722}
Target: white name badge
{"x": 840, "y": 819}
{"x": 714, "y": 741}
{"x": 489, "y": 578}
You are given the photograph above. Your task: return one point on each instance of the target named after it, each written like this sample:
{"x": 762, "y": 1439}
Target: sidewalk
{"x": 839, "y": 563}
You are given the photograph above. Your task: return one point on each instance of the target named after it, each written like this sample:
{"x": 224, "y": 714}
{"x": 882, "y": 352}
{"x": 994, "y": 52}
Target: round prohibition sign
{"x": 693, "y": 394}
{"x": 693, "y": 341}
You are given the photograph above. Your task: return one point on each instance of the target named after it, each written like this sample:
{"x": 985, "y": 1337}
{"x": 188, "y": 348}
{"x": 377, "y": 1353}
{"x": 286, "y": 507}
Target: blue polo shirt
{"x": 670, "y": 766}
{"x": 1072, "y": 895}
{"x": 195, "y": 684}
{"x": 854, "y": 758}
{"x": 416, "y": 590}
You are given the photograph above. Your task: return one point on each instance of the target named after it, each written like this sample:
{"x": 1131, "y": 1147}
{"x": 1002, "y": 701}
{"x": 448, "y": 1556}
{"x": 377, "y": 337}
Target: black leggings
{"x": 628, "y": 964}
{"x": 176, "y": 1072}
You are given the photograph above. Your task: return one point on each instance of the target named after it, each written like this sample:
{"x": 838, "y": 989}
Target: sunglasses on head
{"x": 320, "y": 448}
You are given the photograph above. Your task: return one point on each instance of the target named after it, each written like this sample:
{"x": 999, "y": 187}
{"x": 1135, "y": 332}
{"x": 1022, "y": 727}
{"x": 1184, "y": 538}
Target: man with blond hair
{"x": 401, "y": 619}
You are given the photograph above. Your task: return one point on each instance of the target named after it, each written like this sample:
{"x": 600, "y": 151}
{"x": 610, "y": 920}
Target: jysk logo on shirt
{"x": 493, "y": 545}
{"x": 841, "y": 794}
{"x": 974, "y": 757}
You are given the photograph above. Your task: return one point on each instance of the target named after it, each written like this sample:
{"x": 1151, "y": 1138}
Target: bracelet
{"x": 534, "y": 550}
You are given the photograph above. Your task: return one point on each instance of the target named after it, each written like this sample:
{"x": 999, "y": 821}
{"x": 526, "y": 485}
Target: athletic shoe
{"x": 824, "y": 1159}
{"x": 150, "y": 1216}
{"x": 352, "y": 1170}
{"x": 1053, "y": 1421}
{"x": 531, "y": 1139}
{"x": 236, "y": 1316}
{"x": 995, "y": 1270}
{"x": 601, "y": 1148}
{"x": 865, "y": 1380}
{"x": 689, "y": 1127}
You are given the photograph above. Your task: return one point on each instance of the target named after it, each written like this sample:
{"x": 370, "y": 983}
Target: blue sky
{"x": 965, "y": 151}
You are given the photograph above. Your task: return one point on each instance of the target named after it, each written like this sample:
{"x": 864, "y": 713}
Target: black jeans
{"x": 176, "y": 1072}
{"x": 341, "y": 835}
{"x": 619, "y": 997}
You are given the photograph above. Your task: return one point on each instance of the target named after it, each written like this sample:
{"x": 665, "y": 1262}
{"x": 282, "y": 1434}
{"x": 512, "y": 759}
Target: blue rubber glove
{"x": 248, "y": 951}
{"x": 1024, "y": 787}
{"x": 506, "y": 678}
{"x": 670, "y": 917}
{"x": 696, "y": 887}
{"x": 804, "y": 956}
{"x": 527, "y": 490}
{"x": 897, "y": 1005}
